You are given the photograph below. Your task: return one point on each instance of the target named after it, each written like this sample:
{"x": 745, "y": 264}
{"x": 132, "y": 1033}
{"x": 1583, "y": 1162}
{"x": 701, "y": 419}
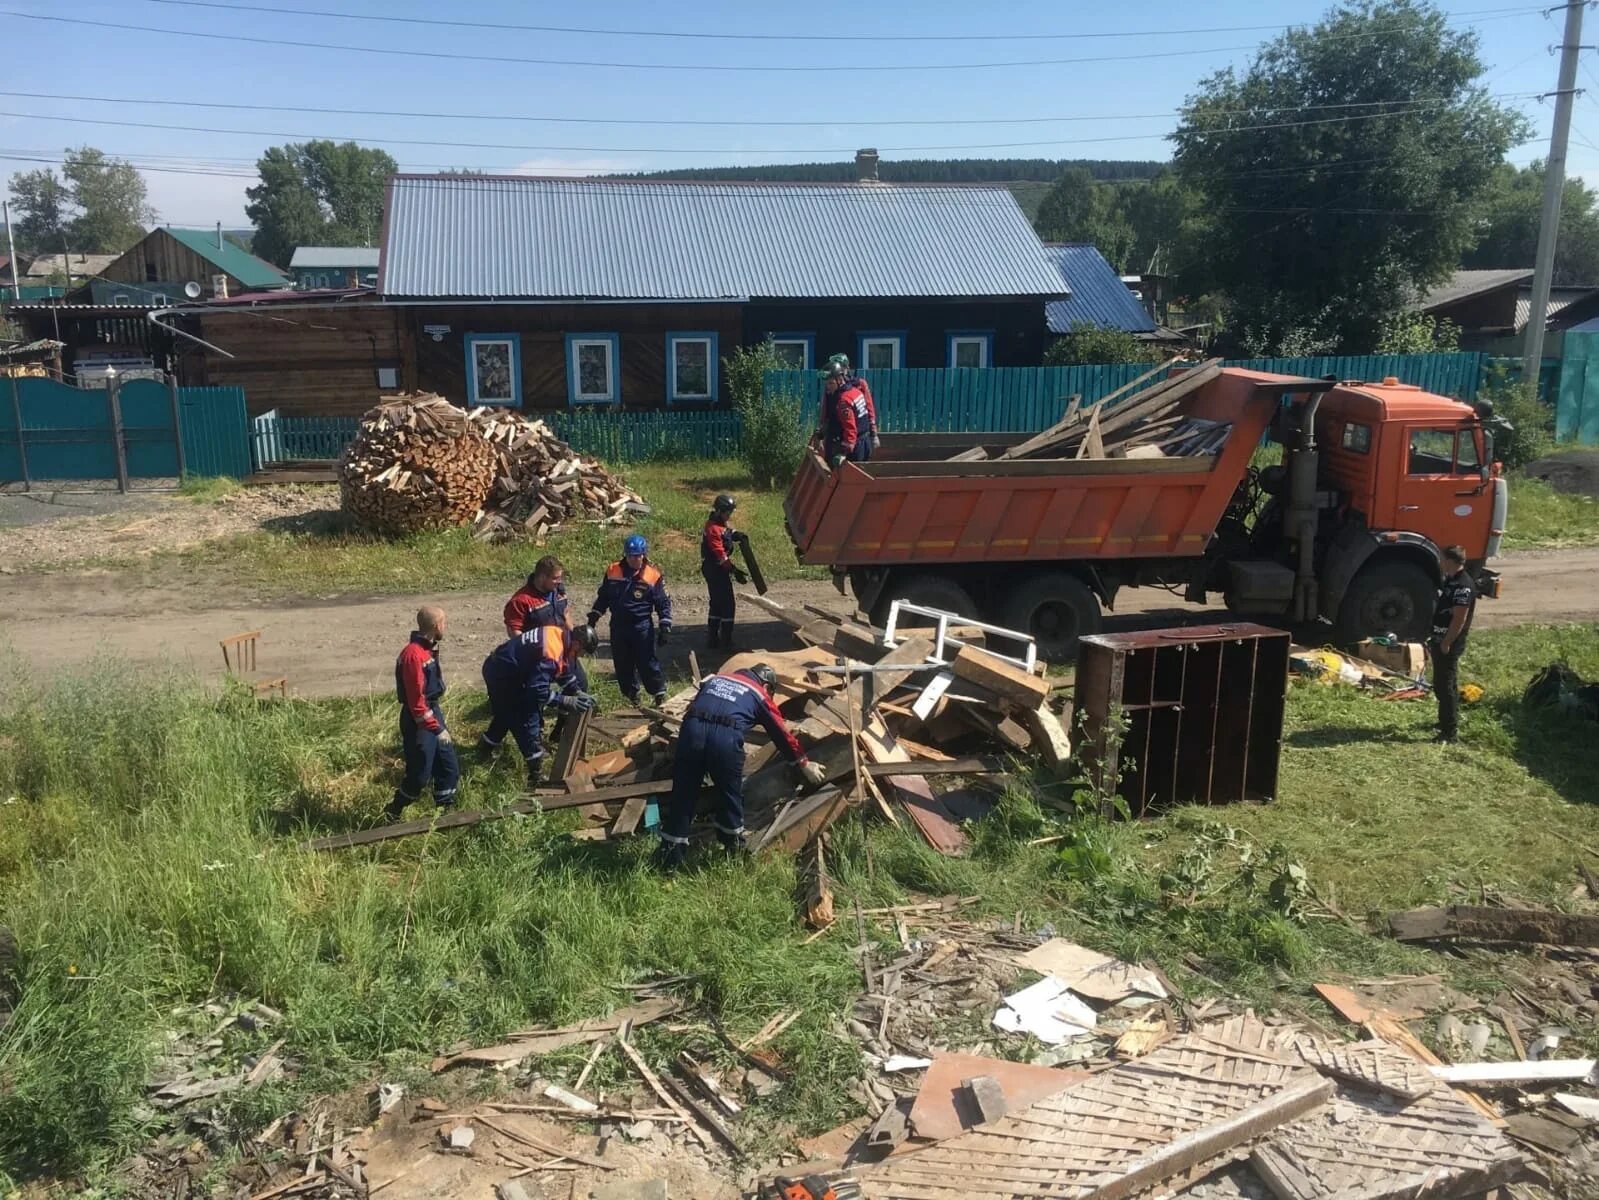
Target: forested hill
{"x": 1027, "y": 178}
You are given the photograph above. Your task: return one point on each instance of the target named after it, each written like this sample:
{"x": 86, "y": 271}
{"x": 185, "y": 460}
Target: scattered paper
{"x": 389, "y": 1094}
{"x": 905, "y": 1062}
{"x": 1089, "y": 973}
{"x": 1048, "y": 1011}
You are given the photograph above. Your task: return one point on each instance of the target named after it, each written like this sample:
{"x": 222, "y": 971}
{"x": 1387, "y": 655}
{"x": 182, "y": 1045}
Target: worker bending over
{"x": 634, "y": 593}
{"x": 429, "y": 749}
{"x": 1451, "y": 621}
{"x": 524, "y": 675}
{"x": 719, "y": 569}
{"x": 712, "y": 742}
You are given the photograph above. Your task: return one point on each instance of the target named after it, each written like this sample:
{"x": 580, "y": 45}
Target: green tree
{"x": 1418, "y": 333}
{"x": 1076, "y": 209}
{"x": 1326, "y": 218}
{"x": 317, "y": 193}
{"x": 1088, "y": 343}
{"x": 1513, "y": 211}
{"x": 40, "y": 204}
{"x": 113, "y": 207}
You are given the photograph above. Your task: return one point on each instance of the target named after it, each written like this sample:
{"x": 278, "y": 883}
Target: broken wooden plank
{"x": 1093, "y": 443}
{"x": 1372, "y": 1064}
{"x": 546, "y": 1041}
{"x": 1499, "y": 1074}
{"x": 933, "y": 821}
{"x": 1064, "y": 429}
{"x": 938, "y": 1113}
{"x": 753, "y": 566}
{"x": 1538, "y": 926}
{"x": 459, "y": 820}
{"x": 654, "y": 1081}
{"x": 1008, "y": 681}
{"x": 627, "y": 821}
{"x": 574, "y": 734}
{"x": 1050, "y": 739}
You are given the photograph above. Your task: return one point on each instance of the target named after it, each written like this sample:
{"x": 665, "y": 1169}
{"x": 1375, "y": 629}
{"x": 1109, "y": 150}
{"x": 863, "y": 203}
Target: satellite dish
{"x": 191, "y": 290}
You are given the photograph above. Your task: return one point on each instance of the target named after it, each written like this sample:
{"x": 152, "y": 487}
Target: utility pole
{"x": 11, "y": 249}
{"x": 1554, "y": 183}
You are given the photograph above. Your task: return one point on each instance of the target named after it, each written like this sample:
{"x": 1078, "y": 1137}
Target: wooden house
{"x": 167, "y": 259}
{"x": 319, "y": 267}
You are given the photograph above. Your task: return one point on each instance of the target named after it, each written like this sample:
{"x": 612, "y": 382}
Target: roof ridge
{"x": 638, "y": 181}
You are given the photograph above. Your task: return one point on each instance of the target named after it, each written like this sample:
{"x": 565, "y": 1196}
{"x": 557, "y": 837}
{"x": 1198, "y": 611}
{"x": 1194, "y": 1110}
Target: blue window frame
{"x": 970, "y": 348}
{"x": 691, "y": 375}
{"x": 881, "y": 350}
{"x": 494, "y": 369}
{"x": 797, "y": 350}
{"x": 593, "y": 366}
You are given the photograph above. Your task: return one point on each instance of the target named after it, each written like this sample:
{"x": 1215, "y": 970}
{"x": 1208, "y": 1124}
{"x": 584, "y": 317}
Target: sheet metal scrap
{"x": 1122, "y": 1131}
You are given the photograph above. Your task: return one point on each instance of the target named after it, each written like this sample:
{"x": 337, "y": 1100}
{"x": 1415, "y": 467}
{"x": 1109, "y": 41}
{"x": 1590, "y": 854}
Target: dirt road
{"x": 346, "y": 646}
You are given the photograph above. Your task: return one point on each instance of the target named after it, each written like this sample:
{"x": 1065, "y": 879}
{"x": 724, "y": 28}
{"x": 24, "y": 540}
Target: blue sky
{"x": 1119, "y": 100}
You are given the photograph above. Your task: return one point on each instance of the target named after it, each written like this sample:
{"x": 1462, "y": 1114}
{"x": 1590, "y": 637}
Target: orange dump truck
{"x": 1375, "y": 480}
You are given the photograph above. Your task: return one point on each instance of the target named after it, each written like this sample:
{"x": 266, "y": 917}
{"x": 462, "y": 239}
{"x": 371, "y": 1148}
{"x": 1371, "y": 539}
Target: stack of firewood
{"x": 540, "y": 481}
{"x": 418, "y": 462}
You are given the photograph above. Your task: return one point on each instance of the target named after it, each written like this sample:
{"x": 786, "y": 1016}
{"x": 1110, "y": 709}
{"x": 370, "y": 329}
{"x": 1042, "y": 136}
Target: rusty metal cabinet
{"x": 1203, "y": 709}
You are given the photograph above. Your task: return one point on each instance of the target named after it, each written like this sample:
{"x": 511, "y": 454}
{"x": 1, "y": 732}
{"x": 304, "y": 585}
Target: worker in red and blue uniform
{"x": 525, "y": 675}
{"x": 541, "y": 600}
{"x": 633, "y": 591}
{"x": 719, "y": 569}
{"x": 858, "y": 392}
{"x": 712, "y": 742}
{"x": 429, "y": 749}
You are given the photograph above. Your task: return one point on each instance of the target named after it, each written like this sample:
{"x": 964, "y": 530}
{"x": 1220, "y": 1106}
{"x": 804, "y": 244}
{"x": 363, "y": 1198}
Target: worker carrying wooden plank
{"x": 526, "y": 674}
{"x": 719, "y": 569}
{"x": 633, "y": 591}
{"x": 712, "y": 742}
{"x": 429, "y": 750}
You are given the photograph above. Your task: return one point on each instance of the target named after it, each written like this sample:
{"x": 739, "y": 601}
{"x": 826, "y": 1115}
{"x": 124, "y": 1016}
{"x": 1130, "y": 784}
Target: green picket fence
{"x": 632, "y": 437}
{"x": 1024, "y": 399}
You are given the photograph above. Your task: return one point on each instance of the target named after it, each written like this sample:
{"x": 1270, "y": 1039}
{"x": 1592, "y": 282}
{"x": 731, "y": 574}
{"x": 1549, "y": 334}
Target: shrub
{"x": 1417, "y": 333}
{"x": 771, "y": 433}
{"x": 1525, "y": 429}
{"x": 1087, "y": 343}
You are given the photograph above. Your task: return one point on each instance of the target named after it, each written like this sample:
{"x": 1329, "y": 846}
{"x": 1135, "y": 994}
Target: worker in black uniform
{"x": 712, "y": 742}
{"x": 719, "y": 569}
{"x": 1451, "y": 621}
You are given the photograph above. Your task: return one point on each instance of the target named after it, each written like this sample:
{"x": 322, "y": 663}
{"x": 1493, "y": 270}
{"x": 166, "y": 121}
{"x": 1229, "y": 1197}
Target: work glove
{"x": 741, "y": 536}
{"x": 837, "y": 461}
{"x": 575, "y": 702}
{"x": 594, "y": 619}
{"x": 663, "y": 633}
{"x": 740, "y": 575}
{"x": 444, "y": 738}
{"x": 876, "y": 443}
{"x": 815, "y": 774}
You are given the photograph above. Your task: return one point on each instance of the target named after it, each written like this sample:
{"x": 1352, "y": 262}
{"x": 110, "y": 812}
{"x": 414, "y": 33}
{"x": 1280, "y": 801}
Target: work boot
{"x": 670, "y": 857}
{"x": 486, "y": 748}
{"x": 396, "y": 806}
{"x": 535, "y": 769}
{"x": 736, "y": 845}
{"x": 727, "y": 635}
{"x": 631, "y": 697}
{"x": 713, "y": 630}
{"x": 658, "y": 699}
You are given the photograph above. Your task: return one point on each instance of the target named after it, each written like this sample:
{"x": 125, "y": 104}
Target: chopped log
{"x": 1536, "y": 926}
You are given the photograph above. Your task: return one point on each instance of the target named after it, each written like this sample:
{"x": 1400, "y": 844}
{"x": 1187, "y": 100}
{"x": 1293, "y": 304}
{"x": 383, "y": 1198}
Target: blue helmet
{"x": 635, "y": 544}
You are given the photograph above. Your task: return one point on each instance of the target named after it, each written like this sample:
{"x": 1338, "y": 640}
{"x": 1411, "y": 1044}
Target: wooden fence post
{"x": 114, "y": 405}
{"x": 22, "y": 441}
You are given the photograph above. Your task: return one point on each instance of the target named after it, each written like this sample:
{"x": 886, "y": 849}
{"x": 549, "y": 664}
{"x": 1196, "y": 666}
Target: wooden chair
{"x": 242, "y": 663}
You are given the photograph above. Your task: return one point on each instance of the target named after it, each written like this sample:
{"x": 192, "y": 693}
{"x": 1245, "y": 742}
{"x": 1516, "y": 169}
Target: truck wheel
{"x": 930, "y": 591}
{"x": 1389, "y": 597}
{"x": 1056, "y": 609}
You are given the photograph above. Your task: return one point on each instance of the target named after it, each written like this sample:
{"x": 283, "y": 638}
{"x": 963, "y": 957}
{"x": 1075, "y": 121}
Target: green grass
{"x": 1544, "y": 519}
{"x": 335, "y": 558}
{"x": 149, "y": 860}
{"x": 208, "y": 489}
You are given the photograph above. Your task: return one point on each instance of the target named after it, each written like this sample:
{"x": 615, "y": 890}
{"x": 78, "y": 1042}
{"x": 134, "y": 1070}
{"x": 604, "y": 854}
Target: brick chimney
{"x": 866, "y": 165}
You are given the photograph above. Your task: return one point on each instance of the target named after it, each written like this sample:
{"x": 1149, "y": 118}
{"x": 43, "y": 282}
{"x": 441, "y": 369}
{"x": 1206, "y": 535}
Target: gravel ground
{"x": 42, "y": 530}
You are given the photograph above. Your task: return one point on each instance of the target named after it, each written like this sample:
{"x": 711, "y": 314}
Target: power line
{"x": 505, "y": 26}
{"x": 697, "y": 150}
{"x": 455, "y": 116}
{"x": 697, "y": 68}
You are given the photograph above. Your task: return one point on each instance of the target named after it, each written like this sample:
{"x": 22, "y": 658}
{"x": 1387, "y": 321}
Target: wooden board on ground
{"x": 1537, "y": 926}
{"x": 933, "y": 821}
{"x": 1010, "y": 682}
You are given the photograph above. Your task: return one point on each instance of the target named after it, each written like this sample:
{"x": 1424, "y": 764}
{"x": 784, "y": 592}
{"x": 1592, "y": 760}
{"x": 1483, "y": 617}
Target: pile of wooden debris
{"x": 1127, "y": 423}
{"x": 421, "y": 462}
{"x": 882, "y": 719}
{"x": 540, "y": 481}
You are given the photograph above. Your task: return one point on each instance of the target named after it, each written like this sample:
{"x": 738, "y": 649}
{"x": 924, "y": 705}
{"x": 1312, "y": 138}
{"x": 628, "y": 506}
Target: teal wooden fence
{"x": 627, "y": 437}
{"x": 1023, "y": 399}
{"x": 1577, "y": 400}
{"x": 50, "y": 431}
{"x": 275, "y": 439}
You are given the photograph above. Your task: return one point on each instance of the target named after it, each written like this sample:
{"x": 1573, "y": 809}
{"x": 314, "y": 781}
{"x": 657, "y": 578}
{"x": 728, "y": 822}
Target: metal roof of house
{"x": 1098, "y": 294}
{"x": 1464, "y": 284}
{"x": 56, "y": 264}
{"x": 1559, "y": 298}
{"x": 549, "y": 239}
{"x": 314, "y": 257}
{"x": 229, "y": 259}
